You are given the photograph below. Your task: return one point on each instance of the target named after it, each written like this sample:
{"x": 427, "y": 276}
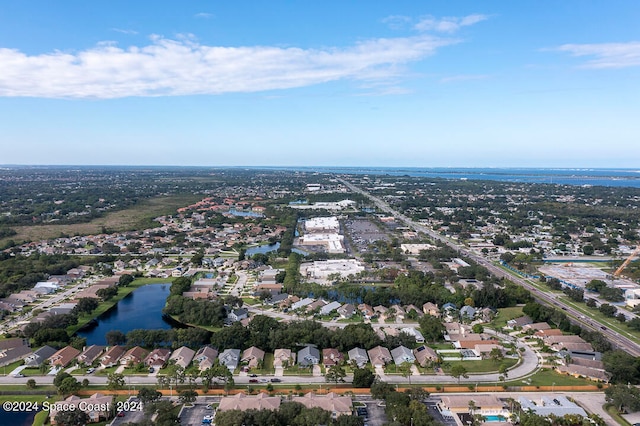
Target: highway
{"x": 619, "y": 341}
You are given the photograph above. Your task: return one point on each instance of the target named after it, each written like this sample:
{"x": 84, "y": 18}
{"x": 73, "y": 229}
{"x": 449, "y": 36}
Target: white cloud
{"x": 203, "y": 15}
{"x": 448, "y": 24}
{"x": 168, "y": 67}
{"x": 606, "y": 55}
{"x": 120, "y": 30}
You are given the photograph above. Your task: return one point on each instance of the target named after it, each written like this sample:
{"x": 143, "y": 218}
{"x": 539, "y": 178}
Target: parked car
{"x": 253, "y": 380}
{"x": 275, "y": 380}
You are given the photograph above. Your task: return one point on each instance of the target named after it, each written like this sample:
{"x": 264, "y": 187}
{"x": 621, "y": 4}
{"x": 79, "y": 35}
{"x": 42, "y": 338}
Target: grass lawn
{"x": 483, "y": 366}
{"x": 547, "y": 377}
{"x": 10, "y": 367}
{"x": 134, "y": 218}
{"x": 296, "y": 371}
{"x": 504, "y": 315}
{"x": 106, "y": 371}
{"x": 33, "y": 372}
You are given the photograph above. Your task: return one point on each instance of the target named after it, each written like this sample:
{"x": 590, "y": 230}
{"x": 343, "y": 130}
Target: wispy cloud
{"x": 122, "y": 31}
{"x": 203, "y": 15}
{"x": 448, "y": 24}
{"x": 397, "y": 22}
{"x": 463, "y": 77}
{"x": 606, "y": 55}
{"x": 167, "y": 67}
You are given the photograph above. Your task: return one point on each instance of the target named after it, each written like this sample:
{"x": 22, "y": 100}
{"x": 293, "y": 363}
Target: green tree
{"x": 188, "y": 397}
{"x": 335, "y": 374}
{"x": 125, "y": 280}
{"x": 115, "y": 381}
{"x": 432, "y": 328}
{"x": 458, "y": 371}
{"x": 363, "y": 378}
{"x": 71, "y": 418}
{"x": 31, "y": 384}
{"x": 148, "y": 395}
{"x": 625, "y": 398}
{"x": 69, "y": 386}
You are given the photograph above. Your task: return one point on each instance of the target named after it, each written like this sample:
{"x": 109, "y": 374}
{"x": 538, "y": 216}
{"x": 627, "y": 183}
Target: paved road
{"x": 615, "y": 338}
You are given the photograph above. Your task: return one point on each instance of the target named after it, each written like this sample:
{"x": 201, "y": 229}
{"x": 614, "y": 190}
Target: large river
{"x": 140, "y": 309}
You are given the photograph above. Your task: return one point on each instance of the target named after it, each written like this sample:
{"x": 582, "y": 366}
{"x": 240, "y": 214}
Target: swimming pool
{"x": 495, "y": 418}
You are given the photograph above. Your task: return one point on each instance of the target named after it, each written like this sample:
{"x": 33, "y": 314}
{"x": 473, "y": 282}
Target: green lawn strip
{"x": 7, "y": 369}
{"x": 106, "y": 371}
{"x": 547, "y": 377}
{"x": 41, "y": 418}
{"x": 595, "y": 314}
{"x": 296, "y": 371}
{"x": 613, "y": 412}
{"x": 504, "y": 315}
{"x": 482, "y": 366}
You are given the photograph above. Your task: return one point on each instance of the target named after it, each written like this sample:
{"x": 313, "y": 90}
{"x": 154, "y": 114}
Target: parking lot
{"x": 193, "y": 416}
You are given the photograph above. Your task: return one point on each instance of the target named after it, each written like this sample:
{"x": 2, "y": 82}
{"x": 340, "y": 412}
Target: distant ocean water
{"x": 578, "y": 177}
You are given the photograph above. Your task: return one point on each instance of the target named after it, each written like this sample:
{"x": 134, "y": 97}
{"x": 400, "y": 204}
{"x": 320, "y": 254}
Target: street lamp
{"x": 553, "y": 385}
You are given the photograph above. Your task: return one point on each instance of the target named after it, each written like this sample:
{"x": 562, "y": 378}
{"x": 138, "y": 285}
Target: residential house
{"x": 302, "y": 303}
{"x": 467, "y": 312}
{"x": 418, "y": 312}
{"x": 238, "y": 314}
{"x": 331, "y": 356}
{"x": 13, "y": 349}
{"x": 90, "y": 354}
{"x": 206, "y": 357}
{"x": 243, "y": 402}
{"x": 336, "y": 404}
{"x": 182, "y": 356}
{"x": 558, "y": 405}
{"x": 576, "y": 370}
{"x": 347, "y": 310}
{"x": 398, "y": 312}
{"x": 316, "y": 305}
{"x": 359, "y": 356}
{"x": 96, "y": 407}
{"x": 519, "y": 322}
{"x": 327, "y": 309}
{"x": 379, "y": 356}
{"x": 538, "y": 326}
{"x": 134, "y": 356}
{"x": 64, "y": 356}
{"x": 413, "y": 332}
{"x": 308, "y": 356}
{"x": 366, "y": 311}
{"x": 381, "y": 311}
{"x": 38, "y": 357}
{"x": 112, "y": 356}
{"x": 283, "y": 358}
{"x": 402, "y": 354}
{"x": 425, "y": 355}
{"x": 157, "y": 358}
{"x": 253, "y": 357}
{"x": 230, "y": 358}
{"x": 486, "y": 405}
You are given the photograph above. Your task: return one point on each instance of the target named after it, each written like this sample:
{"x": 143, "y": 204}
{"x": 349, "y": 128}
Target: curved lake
{"x": 142, "y": 308}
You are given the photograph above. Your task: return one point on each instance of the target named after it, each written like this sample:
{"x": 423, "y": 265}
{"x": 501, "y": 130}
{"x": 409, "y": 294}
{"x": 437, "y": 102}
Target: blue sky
{"x": 345, "y": 83}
